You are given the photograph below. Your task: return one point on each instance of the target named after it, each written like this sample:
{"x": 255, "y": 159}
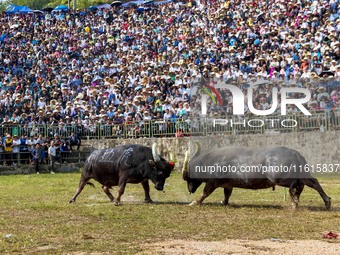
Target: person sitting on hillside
{"x": 64, "y": 150}
{"x": 74, "y": 140}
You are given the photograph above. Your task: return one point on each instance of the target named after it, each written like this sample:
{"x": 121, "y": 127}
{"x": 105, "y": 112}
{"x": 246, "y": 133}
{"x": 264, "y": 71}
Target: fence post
{"x": 328, "y": 120}
{"x": 151, "y": 128}
{"x": 296, "y": 128}
{"x": 99, "y": 131}
{"x": 205, "y": 126}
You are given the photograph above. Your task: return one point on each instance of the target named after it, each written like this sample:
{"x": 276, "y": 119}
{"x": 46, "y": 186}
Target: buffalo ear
{"x": 152, "y": 164}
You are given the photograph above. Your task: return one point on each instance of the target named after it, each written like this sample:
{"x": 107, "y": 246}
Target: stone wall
{"x": 315, "y": 146}
{"x": 44, "y": 168}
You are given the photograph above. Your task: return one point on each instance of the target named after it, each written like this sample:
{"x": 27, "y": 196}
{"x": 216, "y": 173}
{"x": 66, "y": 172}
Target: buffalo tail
{"x": 91, "y": 184}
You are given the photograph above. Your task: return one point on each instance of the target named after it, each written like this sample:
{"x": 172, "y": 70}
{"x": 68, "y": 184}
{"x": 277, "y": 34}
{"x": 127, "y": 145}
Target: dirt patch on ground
{"x": 261, "y": 247}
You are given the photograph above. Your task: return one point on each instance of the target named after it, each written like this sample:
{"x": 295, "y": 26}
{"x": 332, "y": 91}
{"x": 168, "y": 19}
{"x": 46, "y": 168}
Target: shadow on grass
{"x": 319, "y": 208}
{"x": 216, "y": 204}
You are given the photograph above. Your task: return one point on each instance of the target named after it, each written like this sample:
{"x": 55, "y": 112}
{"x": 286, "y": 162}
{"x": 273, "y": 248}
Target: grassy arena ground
{"x": 35, "y": 217}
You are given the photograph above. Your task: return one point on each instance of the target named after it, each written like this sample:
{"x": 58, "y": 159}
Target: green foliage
{"x": 39, "y": 4}
{"x": 35, "y": 5}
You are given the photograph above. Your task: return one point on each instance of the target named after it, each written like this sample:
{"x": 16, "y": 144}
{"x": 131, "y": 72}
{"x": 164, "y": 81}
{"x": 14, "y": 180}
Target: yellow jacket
{"x": 8, "y": 145}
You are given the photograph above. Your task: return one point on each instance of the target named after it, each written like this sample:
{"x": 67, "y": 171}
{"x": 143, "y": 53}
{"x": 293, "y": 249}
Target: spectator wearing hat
{"x": 337, "y": 72}
{"x": 233, "y": 46}
{"x": 158, "y": 107}
{"x": 8, "y": 148}
{"x": 322, "y": 93}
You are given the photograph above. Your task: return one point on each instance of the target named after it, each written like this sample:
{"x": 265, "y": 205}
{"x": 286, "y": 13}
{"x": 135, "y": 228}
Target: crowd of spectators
{"x": 23, "y": 149}
{"x": 121, "y": 65}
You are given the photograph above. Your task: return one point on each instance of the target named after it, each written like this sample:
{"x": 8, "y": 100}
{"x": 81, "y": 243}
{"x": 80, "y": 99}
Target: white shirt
{"x": 30, "y": 144}
{"x": 16, "y": 145}
{"x": 52, "y": 151}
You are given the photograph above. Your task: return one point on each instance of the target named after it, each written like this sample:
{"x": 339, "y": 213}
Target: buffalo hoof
{"x": 328, "y": 204}
{"x": 71, "y": 201}
{"x": 148, "y": 201}
{"x": 116, "y": 203}
{"x": 224, "y": 203}
{"x": 294, "y": 206}
{"x": 193, "y": 203}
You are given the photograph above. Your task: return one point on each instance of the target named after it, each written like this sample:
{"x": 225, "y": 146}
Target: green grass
{"x": 35, "y": 217}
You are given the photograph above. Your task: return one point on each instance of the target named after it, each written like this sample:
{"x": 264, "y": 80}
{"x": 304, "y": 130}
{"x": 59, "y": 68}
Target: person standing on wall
{"x": 52, "y": 154}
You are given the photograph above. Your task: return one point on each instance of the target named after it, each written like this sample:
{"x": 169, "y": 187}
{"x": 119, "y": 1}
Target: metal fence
{"x": 323, "y": 121}
{"x": 26, "y": 157}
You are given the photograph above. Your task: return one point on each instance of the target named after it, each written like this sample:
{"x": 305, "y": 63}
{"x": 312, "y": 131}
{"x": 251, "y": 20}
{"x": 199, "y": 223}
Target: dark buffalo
{"x": 295, "y": 178}
{"x": 125, "y": 164}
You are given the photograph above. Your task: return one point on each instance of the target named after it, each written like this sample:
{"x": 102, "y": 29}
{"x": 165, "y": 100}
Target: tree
{"x": 39, "y": 4}
{"x": 33, "y": 4}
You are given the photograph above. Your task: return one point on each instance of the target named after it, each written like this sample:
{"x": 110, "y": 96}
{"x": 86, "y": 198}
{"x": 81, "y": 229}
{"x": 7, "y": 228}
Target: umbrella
{"x": 177, "y": 100}
{"x": 73, "y": 55}
{"x": 104, "y": 6}
{"x": 10, "y": 7}
{"x": 138, "y": 88}
{"x": 61, "y": 8}
{"x": 47, "y": 9}
{"x": 141, "y": 9}
{"x": 92, "y": 8}
{"x": 129, "y": 4}
{"x": 149, "y": 2}
{"x": 326, "y": 73}
{"x": 38, "y": 12}
{"x": 116, "y": 3}
{"x": 77, "y": 82}
{"x": 259, "y": 16}
{"x": 20, "y": 9}
{"x": 161, "y": 2}
{"x": 96, "y": 78}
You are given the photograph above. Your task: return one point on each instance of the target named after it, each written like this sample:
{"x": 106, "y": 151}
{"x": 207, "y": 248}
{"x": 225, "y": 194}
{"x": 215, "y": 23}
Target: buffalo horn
{"x": 155, "y": 155}
{"x": 171, "y": 157}
{"x": 198, "y": 149}
{"x": 185, "y": 166}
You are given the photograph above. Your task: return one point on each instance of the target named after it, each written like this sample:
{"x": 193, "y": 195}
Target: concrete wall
{"x": 317, "y": 147}
{"x": 44, "y": 168}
